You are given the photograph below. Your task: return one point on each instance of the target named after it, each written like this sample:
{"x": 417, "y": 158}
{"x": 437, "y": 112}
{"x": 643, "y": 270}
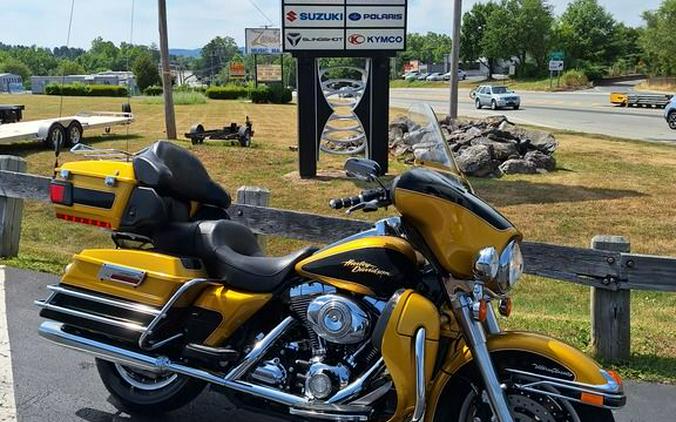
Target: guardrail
{"x": 608, "y": 267}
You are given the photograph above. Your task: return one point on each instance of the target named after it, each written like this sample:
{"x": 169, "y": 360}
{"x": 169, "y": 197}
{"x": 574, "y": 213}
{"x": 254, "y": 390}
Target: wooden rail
{"x": 608, "y": 268}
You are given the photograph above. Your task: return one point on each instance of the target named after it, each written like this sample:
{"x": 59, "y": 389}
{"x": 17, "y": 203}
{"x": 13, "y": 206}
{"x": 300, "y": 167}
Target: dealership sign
{"x": 326, "y": 26}
{"x": 269, "y": 72}
{"x": 263, "y": 41}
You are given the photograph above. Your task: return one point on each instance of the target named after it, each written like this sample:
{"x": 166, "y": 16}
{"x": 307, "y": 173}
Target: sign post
{"x": 556, "y": 64}
{"x": 369, "y": 30}
{"x": 262, "y": 41}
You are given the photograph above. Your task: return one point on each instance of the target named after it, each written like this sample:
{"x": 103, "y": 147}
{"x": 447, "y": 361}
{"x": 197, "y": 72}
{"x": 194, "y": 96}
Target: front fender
{"x": 581, "y": 368}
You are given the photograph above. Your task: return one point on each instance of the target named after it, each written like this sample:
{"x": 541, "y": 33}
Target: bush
{"x": 228, "y": 92}
{"x": 153, "y": 90}
{"x": 593, "y": 72}
{"x": 280, "y": 95}
{"x": 186, "y": 98}
{"x": 82, "y": 90}
{"x": 73, "y": 90}
{"x": 260, "y": 95}
{"x": 574, "y": 79}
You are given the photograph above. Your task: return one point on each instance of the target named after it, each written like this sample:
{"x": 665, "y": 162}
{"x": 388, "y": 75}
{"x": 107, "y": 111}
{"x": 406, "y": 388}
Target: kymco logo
{"x": 291, "y": 16}
{"x": 356, "y": 39}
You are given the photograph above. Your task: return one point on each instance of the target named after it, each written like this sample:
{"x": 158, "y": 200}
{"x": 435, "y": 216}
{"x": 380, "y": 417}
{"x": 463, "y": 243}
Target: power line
{"x": 261, "y": 12}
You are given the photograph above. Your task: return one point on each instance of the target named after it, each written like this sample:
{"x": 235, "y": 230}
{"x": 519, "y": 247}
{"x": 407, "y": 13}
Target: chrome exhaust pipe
{"x": 53, "y": 331}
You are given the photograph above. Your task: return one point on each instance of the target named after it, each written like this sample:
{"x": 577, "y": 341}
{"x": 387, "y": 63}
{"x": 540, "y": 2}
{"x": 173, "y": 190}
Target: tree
{"x": 658, "y": 40}
{"x": 68, "y": 67}
{"x": 586, "y": 32}
{"x": 145, "y": 71}
{"x": 216, "y": 54}
{"x": 532, "y": 23}
{"x": 475, "y": 26}
{"x": 16, "y": 67}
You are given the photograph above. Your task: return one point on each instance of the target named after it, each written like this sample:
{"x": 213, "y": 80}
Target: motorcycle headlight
{"x": 510, "y": 268}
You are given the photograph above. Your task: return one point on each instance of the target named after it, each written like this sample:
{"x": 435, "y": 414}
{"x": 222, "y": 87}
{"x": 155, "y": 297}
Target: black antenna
{"x": 59, "y": 140}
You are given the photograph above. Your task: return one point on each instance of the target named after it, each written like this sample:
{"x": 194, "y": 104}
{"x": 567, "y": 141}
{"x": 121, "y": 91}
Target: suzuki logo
{"x": 293, "y": 38}
{"x": 356, "y": 39}
{"x": 291, "y": 16}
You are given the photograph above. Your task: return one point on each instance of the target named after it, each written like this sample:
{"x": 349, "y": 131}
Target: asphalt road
{"x": 583, "y": 111}
{"x": 55, "y": 384}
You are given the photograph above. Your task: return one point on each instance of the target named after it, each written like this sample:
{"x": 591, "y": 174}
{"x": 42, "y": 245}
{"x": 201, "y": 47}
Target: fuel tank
{"x": 374, "y": 266}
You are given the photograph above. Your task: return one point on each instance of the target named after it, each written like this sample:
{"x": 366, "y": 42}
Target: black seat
{"x": 230, "y": 252}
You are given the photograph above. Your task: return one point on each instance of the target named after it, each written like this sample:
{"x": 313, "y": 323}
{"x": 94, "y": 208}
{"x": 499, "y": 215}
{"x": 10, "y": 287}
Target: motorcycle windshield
{"x": 430, "y": 148}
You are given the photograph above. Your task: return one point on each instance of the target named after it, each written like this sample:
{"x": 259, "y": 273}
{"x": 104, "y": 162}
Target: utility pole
{"x": 455, "y": 59}
{"x": 169, "y": 117}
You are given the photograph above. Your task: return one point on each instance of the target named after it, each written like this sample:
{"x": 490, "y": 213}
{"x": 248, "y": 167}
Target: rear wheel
{"x": 74, "y": 133}
{"x": 56, "y": 136}
{"x": 672, "y": 120}
{"x": 138, "y": 391}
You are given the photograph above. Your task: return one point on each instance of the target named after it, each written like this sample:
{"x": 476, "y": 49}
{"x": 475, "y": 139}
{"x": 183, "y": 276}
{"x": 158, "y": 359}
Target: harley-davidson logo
{"x": 365, "y": 267}
{"x": 555, "y": 371}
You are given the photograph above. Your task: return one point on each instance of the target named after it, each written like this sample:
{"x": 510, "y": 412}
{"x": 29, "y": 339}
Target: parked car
{"x": 495, "y": 97}
{"x": 410, "y": 74}
{"x": 423, "y": 76}
{"x": 436, "y": 76}
{"x": 462, "y": 75}
{"x": 670, "y": 113}
{"x": 413, "y": 76}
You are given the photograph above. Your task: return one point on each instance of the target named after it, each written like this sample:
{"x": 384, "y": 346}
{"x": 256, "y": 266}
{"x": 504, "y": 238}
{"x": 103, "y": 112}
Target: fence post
{"x": 254, "y": 195}
{"x": 610, "y": 310}
{"x": 11, "y": 210}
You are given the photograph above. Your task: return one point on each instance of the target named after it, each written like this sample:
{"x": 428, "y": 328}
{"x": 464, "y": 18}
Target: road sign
{"x": 556, "y": 65}
{"x": 269, "y": 72}
{"x": 263, "y": 40}
{"x": 339, "y": 26}
{"x": 557, "y": 55}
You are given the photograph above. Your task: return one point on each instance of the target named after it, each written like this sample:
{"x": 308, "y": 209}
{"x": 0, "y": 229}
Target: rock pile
{"x": 488, "y": 147}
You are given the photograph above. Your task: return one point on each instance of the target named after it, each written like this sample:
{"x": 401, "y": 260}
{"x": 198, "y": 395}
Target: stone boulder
{"x": 477, "y": 160}
{"x": 518, "y": 165}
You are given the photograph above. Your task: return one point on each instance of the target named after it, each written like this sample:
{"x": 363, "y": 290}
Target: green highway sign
{"x": 557, "y": 55}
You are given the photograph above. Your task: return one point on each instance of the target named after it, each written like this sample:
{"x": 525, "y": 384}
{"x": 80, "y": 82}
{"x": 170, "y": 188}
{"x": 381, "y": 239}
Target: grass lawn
{"x": 601, "y": 186}
{"x": 521, "y": 85}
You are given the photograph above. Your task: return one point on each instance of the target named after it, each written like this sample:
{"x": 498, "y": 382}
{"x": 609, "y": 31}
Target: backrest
{"x": 175, "y": 172}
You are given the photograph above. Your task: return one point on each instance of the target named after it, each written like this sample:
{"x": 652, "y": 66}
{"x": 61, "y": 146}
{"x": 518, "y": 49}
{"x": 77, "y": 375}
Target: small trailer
{"x": 11, "y": 113}
{"x": 624, "y": 99}
{"x": 66, "y": 131}
{"x": 233, "y": 132}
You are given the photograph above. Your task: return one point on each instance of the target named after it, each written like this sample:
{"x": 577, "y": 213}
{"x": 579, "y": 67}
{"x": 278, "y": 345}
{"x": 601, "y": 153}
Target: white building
{"x": 123, "y": 78}
{"x": 9, "y": 82}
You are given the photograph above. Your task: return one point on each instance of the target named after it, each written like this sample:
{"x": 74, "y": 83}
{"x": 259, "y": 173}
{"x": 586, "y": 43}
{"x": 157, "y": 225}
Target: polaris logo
{"x": 292, "y": 16}
{"x": 375, "y": 16}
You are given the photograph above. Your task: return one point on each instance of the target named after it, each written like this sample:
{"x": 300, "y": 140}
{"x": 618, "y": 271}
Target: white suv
{"x": 495, "y": 97}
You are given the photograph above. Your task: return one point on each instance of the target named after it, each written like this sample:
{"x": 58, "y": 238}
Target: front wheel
{"x": 672, "y": 120}
{"x": 465, "y": 400}
{"x": 138, "y": 391}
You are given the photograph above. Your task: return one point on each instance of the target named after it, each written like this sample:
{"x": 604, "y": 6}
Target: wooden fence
{"x": 607, "y": 267}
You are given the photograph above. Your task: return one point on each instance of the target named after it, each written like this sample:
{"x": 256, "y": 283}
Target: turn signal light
{"x": 505, "y": 307}
{"x": 483, "y": 310}
{"x": 593, "y": 399}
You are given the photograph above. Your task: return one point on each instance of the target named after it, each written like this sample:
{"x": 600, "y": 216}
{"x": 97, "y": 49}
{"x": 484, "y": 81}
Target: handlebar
{"x": 380, "y": 195}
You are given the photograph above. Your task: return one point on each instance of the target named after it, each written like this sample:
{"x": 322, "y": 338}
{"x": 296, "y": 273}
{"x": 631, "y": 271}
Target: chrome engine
{"x": 329, "y": 350}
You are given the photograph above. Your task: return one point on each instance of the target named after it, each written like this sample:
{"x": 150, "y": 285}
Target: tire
{"x": 494, "y": 105}
{"x": 136, "y": 392}
{"x": 244, "y": 137}
{"x": 477, "y": 104}
{"x": 56, "y": 137}
{"x": 672, "y": 120}
{"x": 126, "y": 108}
{"x": 516, "y": 107}
{"x": 196, "y": 129}
{"x": 461, "y": 401}
{"x": 74, "y": 133}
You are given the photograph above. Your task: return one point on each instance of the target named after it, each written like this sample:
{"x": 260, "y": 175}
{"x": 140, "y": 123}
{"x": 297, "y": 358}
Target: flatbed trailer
{"x": 62, "y": 130}
{"x": 624, "y": 99}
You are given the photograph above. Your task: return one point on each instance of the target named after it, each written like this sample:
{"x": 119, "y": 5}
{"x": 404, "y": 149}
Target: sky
{"x": 192, "y": 23}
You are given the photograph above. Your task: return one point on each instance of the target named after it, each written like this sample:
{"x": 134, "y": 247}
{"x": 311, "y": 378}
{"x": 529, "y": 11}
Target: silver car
{"x": 670, "y": 113}
{"x": 495, "y": 97}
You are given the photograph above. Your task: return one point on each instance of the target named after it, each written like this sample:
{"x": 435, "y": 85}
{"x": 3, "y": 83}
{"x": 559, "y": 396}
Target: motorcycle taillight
{"x": 61, "y": 192}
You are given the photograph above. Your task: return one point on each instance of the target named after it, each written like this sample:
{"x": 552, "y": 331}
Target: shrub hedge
{"x": 153, "y": 90}
{"x": 263, "y": 94}
{"x": 227, "y": 92}
{"x": 574, "y": 79}
{"x": 82, "y": 90}
{"x": 260, "y": 95}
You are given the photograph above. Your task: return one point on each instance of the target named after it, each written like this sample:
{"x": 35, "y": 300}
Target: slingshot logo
{"x": 293, "y": 38}
{"x": 291, "y": 16}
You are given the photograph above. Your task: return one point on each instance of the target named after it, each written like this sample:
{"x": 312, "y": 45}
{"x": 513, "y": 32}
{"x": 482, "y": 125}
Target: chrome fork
{"x": 476, "y": 340}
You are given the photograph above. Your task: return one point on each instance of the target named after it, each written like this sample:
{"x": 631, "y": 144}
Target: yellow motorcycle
{"x": 396, "y": 323}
